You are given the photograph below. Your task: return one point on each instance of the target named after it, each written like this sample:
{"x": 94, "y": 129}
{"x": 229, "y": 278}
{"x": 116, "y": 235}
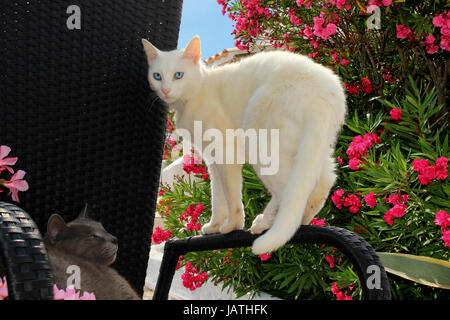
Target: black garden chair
{"x": 76, "y": 108}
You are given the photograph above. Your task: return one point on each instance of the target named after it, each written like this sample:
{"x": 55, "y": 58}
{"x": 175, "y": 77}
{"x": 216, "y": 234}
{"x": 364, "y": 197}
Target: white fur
{"x": 269, "y": 90}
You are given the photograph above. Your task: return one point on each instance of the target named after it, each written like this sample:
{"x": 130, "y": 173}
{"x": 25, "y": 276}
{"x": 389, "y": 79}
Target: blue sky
{"x": 204, "y": 18}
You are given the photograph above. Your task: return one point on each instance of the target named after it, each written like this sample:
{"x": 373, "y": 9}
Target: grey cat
{"x": 84, "y": 242}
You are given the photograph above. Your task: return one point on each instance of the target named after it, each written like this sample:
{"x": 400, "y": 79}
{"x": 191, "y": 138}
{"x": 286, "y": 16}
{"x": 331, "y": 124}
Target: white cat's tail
{"x": 314, "y": 147}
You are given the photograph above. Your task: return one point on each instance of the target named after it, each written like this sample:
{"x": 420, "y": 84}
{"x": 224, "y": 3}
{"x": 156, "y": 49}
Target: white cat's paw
{"x": 209, "y": 228}
{"x": 233, "y": 224}
{"x": 260, "y": 246}
{"x": 259, "y": 225}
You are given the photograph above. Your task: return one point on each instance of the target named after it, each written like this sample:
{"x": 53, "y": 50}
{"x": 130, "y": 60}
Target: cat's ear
{"x": 84, "y": 212}
{"x": 55, "y": 227}
{"x": 193, "y": 50}
{"x": 150, "y": 50}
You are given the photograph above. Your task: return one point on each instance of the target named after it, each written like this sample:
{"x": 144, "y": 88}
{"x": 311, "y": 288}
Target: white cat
{"x": 269, "y": 90}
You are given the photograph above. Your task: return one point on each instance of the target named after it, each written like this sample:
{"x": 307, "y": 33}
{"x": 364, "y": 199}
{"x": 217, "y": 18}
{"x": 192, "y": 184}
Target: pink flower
{"x": 439, "y": 21}
{"x": 393, "y": 199}
{"x": 352, "y": 201}
{"x": 344, "y": 62}
{"x": 193, "y": 214}
{"x": 396, "y": 114}
{"x": 321, "y": 31}
{"x": 330, "y": 261}
{"x": 194, "y": 164}
{"x": 442, "y": 218}
{"x": 370, "y": 199}
{"x": 317, "y": 222}
{"x": 336, "y": 198}
{"x": 402, "y": 31}
{"x": 264, "y": 256}
{"x": 339, "y": 159}
{"x": 441, "y": 168}
{"x": 16, "y": 184}
{"x": 71, "y": 294}
{"x": 3, "y": 289}
{"x": 366, "y": 86}
{"x": 430, "y": 47}
{"x": 446, "y": 237}
{"x": 388, "y": 218}
{"x": 339, "y": 294}
{"x": 160, "y": 235}
{"x": 307, "y": 32}
{"x": 420, "y": 164}
{"x": 427, "y": 174}
{"x": 335, "y": 289}
{"x": 5, "y": 163}
{"x": 192, "y": 279}
{"x": 397, "y": 211}
{"x": 353, "y": 164}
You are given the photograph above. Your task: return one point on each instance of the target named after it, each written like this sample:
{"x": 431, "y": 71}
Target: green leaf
{"x": 423, "y": 270}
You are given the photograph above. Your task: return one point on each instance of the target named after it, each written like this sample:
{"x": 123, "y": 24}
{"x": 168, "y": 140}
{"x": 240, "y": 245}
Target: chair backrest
{"x": 76, "y": 108}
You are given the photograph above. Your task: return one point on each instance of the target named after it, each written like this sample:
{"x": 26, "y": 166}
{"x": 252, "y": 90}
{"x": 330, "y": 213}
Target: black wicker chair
{"x": 76, "y": 109}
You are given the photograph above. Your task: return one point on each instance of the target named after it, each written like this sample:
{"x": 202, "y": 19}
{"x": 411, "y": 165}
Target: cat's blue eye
{"x": 157, "y": 76}
{"x": 179, "y": 75}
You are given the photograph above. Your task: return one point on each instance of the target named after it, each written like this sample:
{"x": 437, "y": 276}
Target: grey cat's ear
{"x": 193, "y": 50}
{"x": 150, "y": 50}
{"x": 55, "y": 227}
{"x": 84, "y": 212}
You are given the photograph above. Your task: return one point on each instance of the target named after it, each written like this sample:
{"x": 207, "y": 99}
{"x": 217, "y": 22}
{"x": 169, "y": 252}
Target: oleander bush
{"x": 392, "y": 153}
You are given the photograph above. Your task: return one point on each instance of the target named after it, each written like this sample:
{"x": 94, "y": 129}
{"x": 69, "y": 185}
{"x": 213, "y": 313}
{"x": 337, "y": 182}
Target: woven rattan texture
{"x": 23, "y": 251}
{"x": 76, "y": 108}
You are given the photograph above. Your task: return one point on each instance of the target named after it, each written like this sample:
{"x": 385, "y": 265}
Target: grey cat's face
{"x": 83, "y": 237}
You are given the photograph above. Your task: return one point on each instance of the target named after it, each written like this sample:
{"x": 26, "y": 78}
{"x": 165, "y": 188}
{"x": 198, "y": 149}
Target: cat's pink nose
{"x": 166, "y": 91}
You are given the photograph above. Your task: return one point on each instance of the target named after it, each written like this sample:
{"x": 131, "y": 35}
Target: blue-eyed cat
{"x": 273, "y": 90}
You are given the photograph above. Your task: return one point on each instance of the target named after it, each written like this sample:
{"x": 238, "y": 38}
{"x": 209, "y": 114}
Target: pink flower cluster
{"x": 317, "y": 222}
{"x": 428, "y": 172}
{"x": 247, "y": 21}
{"x": 307, "y": 3}
{"x": 380, "y": 3}
{"x": 323, "y": 31}
{"x": 351, "y": 201}
{"x": 69, "y": 294}
{"x": 192, "y": 278}
{"x": 340, "y": 4}
{"x": 442, "y": 219}
{"x": 194, "y": 164}
{"x": 3, "y": 289}
{"x": 339, "y": 294}
{"x": 370, "y": 199}
{"x": 443, "y": 21}
{"x": 403, "y": 33}
{"x": 357, "y": 150}
{"x": 396, "y": 114}
{"x": 191, "y": 215}
{"x": 430, "y": 47}
{"x": 16, "y": 183}
{"x": 354, "y": 89}
{"x": 160, "y": 235}
{"x": 264, "y": 256}
{"x": 398, "y": 209}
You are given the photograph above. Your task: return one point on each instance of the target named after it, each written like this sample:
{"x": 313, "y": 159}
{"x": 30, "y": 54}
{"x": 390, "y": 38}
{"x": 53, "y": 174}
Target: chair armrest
{"x": 23, "y": 256}
{"x": 360, "y": 253}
